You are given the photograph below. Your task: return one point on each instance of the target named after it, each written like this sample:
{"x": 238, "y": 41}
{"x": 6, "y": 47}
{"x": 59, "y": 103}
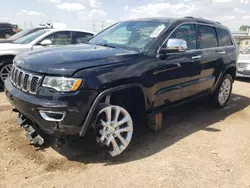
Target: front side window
{"x": 224, "y": 37}
{"x": 60, "y": 38}
{"x": 186, "y": 32}
{"x": 246, "y": 51}
{"x": 207, "y": 37}
{"x": 133, "y": 35}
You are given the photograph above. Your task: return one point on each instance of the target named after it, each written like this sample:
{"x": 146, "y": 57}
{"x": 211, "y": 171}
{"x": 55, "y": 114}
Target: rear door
{"x": 226, "y": 50}
{"x": 210, "y": 60}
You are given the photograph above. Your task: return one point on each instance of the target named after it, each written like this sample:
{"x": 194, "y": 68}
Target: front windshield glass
{"x": 19, "y": 35}
{"x": 29, "y": 38}
{"x": 246, "y": 51}
{"x": 130, "y": 35}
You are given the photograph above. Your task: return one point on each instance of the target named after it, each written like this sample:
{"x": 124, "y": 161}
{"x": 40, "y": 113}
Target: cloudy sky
{"x": 92, "y": 14}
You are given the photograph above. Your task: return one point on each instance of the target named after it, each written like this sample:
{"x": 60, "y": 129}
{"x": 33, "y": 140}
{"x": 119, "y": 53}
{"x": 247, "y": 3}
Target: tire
{"x": 223, "y": 92}
{"x": 4, "y": 70}
{"x": 7, "y": 35}
{"x": 114, "y": 128}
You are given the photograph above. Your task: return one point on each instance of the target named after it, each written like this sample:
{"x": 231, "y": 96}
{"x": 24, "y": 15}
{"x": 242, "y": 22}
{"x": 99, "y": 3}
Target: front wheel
{"x": 4, "y": 71}
{"x": 7, "y": 35}
{"x": 223, "y": 93}
{"x": 114, "y": 128}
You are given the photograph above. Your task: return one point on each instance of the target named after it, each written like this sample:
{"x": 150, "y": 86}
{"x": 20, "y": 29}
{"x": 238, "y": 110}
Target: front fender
{"x": 98, "y": 100}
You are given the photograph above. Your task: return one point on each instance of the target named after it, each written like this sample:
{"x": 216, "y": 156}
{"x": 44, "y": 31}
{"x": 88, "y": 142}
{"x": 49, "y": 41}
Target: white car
{"x": 243, "y": 64}
{"x": 40, "y": 39}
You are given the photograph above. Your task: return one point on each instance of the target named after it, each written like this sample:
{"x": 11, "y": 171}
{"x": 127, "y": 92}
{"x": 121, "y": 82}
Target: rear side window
{"x": 80, "y": 37}
{"x": 224, "y": 37}
{"x": 207, "y": 37}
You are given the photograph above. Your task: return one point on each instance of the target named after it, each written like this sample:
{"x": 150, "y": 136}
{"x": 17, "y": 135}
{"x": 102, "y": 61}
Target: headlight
{"x": 61, "y": 83}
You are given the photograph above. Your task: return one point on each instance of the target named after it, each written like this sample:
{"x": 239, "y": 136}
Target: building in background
{"x": 242, "y": 38}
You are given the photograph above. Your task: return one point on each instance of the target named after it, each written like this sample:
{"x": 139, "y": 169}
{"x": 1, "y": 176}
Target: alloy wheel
{"x": 116, "y": 128}
{"x": 225, "y": 91}
{"x": 4, "y": 72}
{"x": 7, "y": 35}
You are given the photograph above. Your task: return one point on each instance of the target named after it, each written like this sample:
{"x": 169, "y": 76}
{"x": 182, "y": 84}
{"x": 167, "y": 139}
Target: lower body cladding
{"x": 60, "y": 115}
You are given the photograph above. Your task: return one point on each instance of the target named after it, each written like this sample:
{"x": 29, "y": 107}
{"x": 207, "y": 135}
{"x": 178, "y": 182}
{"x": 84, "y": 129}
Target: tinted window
{"x": 207, "y": 37}
{"x": 187, "y": 33}
{"x": 80, "y": 37}
{"x": 60, "y": 38}
{"x": 224, "y": 37}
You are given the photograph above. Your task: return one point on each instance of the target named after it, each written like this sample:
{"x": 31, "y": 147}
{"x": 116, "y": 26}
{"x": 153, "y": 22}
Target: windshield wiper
{"x": 107, "y": 45}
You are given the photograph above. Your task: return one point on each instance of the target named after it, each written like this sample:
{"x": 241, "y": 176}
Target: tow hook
{"x": 31, "y": 132}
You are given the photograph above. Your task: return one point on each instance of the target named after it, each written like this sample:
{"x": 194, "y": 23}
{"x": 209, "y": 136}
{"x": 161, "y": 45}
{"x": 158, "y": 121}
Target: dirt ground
{"x": 199, "y": 146}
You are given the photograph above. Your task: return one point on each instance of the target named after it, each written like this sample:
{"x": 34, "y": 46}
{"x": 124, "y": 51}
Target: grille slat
{"x": 243, "y": 65}
{"x": 25, "y": 81}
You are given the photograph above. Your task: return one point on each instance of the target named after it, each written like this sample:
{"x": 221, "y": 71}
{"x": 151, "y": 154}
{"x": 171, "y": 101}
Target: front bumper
{"x": 75, "y": 106}
{"x": 243, "y": 74}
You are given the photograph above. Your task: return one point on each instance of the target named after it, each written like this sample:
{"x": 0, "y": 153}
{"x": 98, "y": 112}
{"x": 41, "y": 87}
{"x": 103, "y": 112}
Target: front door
{"x": 178, "y": 75}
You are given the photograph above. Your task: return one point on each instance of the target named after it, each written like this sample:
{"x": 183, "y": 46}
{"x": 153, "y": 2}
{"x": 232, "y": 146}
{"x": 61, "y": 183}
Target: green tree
{"x": 243, "y": 28}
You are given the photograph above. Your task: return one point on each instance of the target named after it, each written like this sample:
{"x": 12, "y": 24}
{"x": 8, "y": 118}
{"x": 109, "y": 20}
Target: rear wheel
{"x": 114, "y": 128}
{"x": 224, "y": 91}
{"x": 7, "y": 35}
{"x": 5, "y": 70}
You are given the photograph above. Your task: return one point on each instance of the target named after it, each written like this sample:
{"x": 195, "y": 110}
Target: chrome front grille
{"x": 243, "y": 65}
{"x": 25, "y": 81}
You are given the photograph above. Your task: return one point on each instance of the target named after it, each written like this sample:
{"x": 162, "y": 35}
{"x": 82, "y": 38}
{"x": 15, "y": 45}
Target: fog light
{"x": 52, "y": 115}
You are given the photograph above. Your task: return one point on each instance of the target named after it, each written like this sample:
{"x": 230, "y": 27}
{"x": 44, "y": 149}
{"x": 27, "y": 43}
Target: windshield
{"x": 19, "y": 34}
{"x": 29, "y": 38}
{"x": 130, "y": 35}
{"x": 246, "y": 51}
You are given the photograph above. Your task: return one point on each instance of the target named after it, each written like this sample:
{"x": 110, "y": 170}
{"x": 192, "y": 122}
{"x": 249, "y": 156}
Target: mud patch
{"x": 62, "y": 165}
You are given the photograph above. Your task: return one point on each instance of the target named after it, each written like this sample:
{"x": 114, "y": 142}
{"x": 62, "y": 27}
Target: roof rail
{"x": 189, "y": 17}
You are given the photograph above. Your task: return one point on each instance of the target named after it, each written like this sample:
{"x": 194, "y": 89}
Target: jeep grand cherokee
{"x": 132, "y": 68}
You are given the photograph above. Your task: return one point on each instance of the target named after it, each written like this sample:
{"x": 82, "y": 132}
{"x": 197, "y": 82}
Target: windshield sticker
{"x": 157, "y": 31}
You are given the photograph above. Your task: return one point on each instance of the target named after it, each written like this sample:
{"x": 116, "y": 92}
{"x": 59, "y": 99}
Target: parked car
{"x": 19, "y": 35}
{"x": 7, "y": 30}
{"x": 133, "y": 68}
{"x": 40, "y": 39}
{"x": 243, "y": 64}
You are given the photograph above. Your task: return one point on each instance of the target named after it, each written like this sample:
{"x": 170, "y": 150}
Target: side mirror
{"x": 46, "y": 42}
{"x": 173, "y": 46}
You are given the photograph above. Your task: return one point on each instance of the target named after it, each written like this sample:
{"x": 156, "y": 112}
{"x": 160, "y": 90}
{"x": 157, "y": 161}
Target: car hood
{"x": 5, "y": 41}
{"x": 244, "y": 58}
{"x": 12, "y": 46}
{"x": 65, "y": 61}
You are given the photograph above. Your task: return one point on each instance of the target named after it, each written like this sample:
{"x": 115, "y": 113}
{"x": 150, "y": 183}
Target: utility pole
{"x": 103, "y": 24}
{"x": 94, "y": 26}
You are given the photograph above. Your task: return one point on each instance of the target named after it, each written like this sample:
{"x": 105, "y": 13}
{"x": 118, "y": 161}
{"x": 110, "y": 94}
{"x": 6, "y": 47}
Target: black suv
{"x": 6, "y": 30}
{"x": 130, "y": 69}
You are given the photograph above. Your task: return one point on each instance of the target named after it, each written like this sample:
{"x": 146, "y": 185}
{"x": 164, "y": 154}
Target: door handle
{"x": 196, "y": 57}
{"x": 222, "y": 52}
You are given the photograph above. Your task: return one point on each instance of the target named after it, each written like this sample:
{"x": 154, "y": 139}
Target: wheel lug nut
{"x": 107, "y": 129}
{"x": 108, "y": 135}
{"x": 112, "y": 124}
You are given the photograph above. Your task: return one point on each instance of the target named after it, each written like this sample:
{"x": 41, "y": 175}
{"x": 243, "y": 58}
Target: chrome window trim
{"x": 195, "y": 23}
